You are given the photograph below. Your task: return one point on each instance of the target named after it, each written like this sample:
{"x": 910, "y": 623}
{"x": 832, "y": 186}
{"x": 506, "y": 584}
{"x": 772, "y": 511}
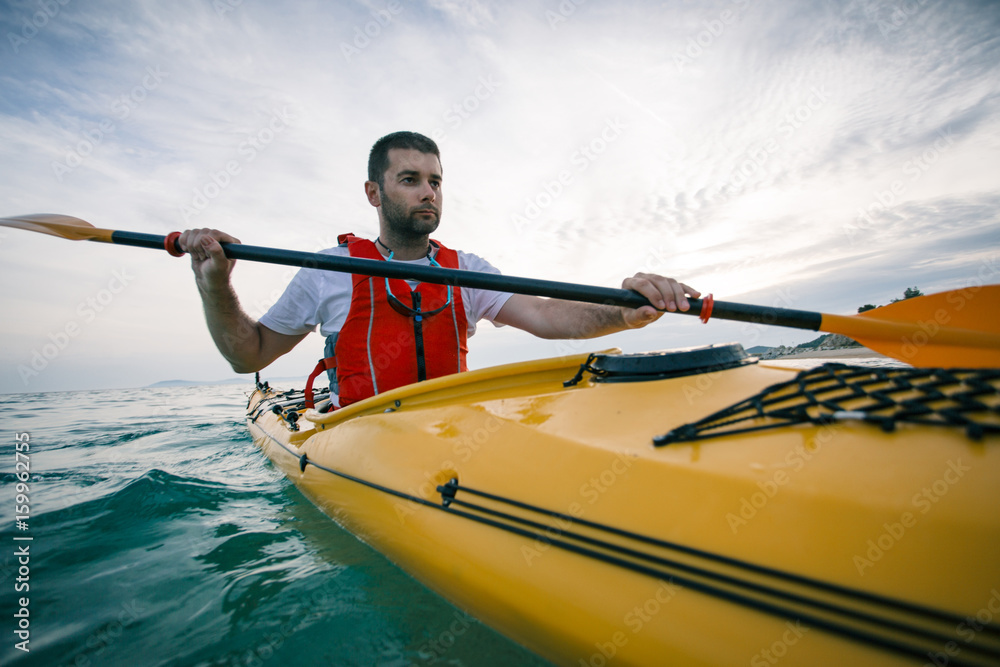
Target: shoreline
{"x": 842, "y": 352}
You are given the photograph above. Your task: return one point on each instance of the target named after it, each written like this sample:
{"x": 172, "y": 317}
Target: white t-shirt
{"x": 323, "y": 298}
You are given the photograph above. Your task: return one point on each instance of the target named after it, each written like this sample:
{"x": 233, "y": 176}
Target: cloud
{"x": 842, "y": 151}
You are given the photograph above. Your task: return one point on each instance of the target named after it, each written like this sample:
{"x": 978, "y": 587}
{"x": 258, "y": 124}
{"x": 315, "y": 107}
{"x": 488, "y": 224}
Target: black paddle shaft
{"x": 783, "y": 317}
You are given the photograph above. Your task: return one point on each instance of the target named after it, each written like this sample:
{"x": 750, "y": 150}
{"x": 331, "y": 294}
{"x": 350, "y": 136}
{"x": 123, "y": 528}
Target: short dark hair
{"x": 378, "y": 159}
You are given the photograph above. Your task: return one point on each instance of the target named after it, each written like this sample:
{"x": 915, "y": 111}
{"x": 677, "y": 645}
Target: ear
{"x": 372, "y": 192}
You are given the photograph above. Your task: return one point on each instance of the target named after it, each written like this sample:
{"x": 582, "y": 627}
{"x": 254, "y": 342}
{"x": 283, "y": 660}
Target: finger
{"x": 690, "y": 291}
{"x": 678, "y": 299}
{"x": 203, "y": 244}
{"x": 647, "y": 315}
{"x": 211, "y": 245}
{"x": 190, "y": 240}
{"x": 184, "y": 240}
{"x": 643, "y": 284}
{"x": 223, "y": 237}
{"x": 676, "y": 293}
{"x": 216, "y": 254}
{"x": 664, "y": 293}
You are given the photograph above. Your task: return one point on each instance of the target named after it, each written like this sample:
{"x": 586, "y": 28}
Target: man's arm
{"x": 553, "y": 318}
{"x": 246, "y": 344}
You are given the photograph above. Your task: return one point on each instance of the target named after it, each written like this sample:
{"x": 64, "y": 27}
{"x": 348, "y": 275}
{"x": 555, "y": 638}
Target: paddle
{"x": 959, "y": 328}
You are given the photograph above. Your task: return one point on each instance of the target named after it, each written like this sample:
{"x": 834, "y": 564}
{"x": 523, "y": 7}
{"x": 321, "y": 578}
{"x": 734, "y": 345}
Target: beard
{"x": 408, "y": 224}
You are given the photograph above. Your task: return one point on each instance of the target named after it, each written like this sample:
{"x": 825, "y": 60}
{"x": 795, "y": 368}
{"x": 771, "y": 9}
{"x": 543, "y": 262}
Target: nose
{"x": 427, "y": 193}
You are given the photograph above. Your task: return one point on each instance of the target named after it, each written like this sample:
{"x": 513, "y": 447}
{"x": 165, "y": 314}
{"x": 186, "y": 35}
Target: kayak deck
{"x": 548, "y": 512}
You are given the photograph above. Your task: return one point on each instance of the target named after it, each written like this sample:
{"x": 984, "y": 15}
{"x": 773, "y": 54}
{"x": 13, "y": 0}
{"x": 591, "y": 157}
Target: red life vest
{"x": 380, "y": 348}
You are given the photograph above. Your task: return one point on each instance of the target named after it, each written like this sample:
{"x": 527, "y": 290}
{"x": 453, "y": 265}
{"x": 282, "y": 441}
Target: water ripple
{"x": 161, "y": 536}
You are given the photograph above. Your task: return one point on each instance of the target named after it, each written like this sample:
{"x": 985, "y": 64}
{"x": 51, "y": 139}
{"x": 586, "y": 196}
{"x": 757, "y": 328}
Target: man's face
{"x": 411, "y": 198}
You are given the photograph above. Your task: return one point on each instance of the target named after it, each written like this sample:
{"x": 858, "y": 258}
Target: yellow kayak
{"x": 674, "y": 508}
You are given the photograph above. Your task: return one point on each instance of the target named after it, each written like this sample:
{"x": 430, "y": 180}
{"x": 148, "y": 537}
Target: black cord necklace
{"x": 402, "y": 308}
{"x": 378, "y": 241}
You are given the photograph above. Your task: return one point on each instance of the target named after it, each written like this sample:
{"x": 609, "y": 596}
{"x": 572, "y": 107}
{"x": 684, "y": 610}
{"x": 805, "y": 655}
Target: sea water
{"x": 812, "y": 362}
{"x": 153, "y": 532}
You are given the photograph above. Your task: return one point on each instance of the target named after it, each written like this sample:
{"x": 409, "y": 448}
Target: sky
{"x": 811, "y": 155}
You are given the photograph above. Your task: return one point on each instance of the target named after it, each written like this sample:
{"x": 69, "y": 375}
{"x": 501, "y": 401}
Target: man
{"x": 385, "y": 333}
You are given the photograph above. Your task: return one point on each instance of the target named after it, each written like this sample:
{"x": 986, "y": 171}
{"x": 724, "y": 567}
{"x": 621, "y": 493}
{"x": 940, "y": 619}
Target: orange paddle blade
{"x": 959, "y": 328}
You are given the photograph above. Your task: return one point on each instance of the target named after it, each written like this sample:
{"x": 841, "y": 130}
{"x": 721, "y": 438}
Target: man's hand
{"x": 208, "y": 261}
{"x": 665, "y": 293}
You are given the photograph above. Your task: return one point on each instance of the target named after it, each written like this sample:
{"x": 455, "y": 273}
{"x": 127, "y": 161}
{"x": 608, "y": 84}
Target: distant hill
{"x": 198, "y": 383}
{"x": 238, "y": 380}
{"x": 824, "y": 342}
{"x": 813, "y": 344}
